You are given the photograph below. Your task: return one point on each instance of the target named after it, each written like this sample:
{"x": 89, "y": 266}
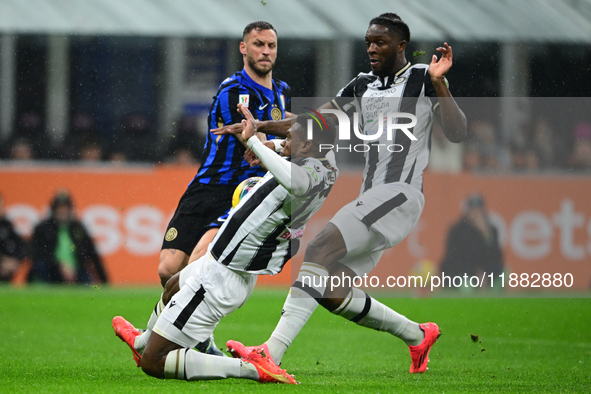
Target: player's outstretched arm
{"x": 451, "y": 117}
{"x": 273, "y": 127}
{"x": 295, "y": 179}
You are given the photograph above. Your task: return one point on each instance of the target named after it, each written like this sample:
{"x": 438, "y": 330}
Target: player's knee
{"x": 320, "y": 244}
{"x": 331, "y": 304}
{"x": 153, "y": 364}
{"x": 337, "y": 291}
{"x": 164, "y": 275}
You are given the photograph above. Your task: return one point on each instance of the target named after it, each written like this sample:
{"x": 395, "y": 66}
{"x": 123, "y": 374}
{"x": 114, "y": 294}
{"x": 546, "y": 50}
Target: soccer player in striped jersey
{"x": 205, "y": 203}
{"x": 391, "y": 198}
{"x": 258, "y": 238}
{"x": 207, "y": 200}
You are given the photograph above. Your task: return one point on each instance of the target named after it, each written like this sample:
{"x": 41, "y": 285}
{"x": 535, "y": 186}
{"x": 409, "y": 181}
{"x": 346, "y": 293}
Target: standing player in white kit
{"x": 391, "y": 198}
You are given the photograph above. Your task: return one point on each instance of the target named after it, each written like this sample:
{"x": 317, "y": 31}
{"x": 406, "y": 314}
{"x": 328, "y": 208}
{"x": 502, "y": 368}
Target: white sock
{"x": 276, "y": 348}
{"x": 366, "y": 311}
{"x": 189, "y": 364}
{"x": 142, "y": 340}
{"x": 299, "y": 306}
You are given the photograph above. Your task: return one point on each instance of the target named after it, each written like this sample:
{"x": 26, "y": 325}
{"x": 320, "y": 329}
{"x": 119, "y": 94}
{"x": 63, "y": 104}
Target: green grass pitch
{"x": 59, "y": 339}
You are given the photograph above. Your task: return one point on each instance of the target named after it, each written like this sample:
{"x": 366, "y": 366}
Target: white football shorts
{"x": 208, "y": 292}
{"x": 377, "y": 220}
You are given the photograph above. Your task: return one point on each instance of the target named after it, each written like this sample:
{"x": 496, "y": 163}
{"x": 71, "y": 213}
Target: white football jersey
{"x": 261, "y": 233}
{"x": 408, "y": 91}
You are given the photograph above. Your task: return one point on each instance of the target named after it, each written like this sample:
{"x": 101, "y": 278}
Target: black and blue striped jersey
{"x": 222, "y": 161}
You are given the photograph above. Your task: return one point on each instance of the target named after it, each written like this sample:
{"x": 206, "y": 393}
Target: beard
{"x": 384, "y": 69}
{"x": 257, "y": 69}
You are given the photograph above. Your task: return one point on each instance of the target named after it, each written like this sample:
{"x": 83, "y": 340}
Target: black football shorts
{"x": 200, "y": 208}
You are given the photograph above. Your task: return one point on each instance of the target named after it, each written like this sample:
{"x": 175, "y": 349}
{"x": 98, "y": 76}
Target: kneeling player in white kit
{"x": 391, "y": 198}
{"x": 256, "y": 239}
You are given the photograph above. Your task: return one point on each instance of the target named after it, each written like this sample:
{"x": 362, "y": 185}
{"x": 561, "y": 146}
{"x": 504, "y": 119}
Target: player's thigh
{"x": 378, "y": 220}
{"x": 210, "y": 293}
{"x": 203, "y": 244}
{"x": 399, "y": 213}
{"x": 327, "y": 247}
{"x": 389, "y": 213}
{"x": 357, "y": 237}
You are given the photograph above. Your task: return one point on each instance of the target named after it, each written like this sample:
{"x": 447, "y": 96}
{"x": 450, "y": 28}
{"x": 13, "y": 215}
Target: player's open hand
{"x": 438, "y": 68}
{"x": 252, "y": 159}
{"x": 248, "y": 123}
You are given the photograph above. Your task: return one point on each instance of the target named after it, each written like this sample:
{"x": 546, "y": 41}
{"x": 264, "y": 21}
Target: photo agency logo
{"x": 380, "y": 139}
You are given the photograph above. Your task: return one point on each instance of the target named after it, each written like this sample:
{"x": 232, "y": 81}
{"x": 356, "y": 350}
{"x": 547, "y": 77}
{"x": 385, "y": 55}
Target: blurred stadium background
{"x": 108, "y": 99}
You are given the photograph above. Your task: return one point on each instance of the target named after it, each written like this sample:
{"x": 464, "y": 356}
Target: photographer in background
{"x": 62, "y": 251}
{"x": 473, "y": 243}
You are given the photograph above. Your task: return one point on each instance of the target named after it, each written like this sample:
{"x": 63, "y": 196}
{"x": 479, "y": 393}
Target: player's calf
{"x": 359, "y": 307}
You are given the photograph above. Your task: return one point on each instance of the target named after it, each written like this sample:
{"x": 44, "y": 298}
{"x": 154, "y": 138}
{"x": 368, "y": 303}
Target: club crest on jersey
{"x": 276, "y": 113}
{"x": 171, "y": 234}
{"x": 398, "y": 80}
{"x": 313, "y": 174}
{"x": 244, "y": 99}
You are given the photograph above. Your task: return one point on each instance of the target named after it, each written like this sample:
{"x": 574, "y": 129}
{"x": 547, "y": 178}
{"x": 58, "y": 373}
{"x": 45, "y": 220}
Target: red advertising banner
{"x": 544, "y": 222}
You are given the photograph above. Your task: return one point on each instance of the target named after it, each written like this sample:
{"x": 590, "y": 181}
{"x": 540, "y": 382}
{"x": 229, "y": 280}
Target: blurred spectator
{"x": 186, "y": 143}
{"x": 472, "y": 159}
{"x": 483, "y": 137}
{"x": 30, "y": 127}
{"x": 137, "y": 139}
{"x": 580, "y": 158}
{"x": 81, "y": 135}
{"x": 473, "y": 243}
{"x": 82, "y": 123}
{"x": 62, "y": 250}
{"x": 117, "y": 157}
{"x": 531, "y": 160}
{"x": 91, "y": 151}
{"x": 445, "y": 156}
{"x": 11, "y": 247}
{"x": 544, "y": 143}
{"x": 183, "y": 156}
{"x": 21, "y": 149}
{"x": 490, "y": 158}
{"x": 526, "y": 160}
